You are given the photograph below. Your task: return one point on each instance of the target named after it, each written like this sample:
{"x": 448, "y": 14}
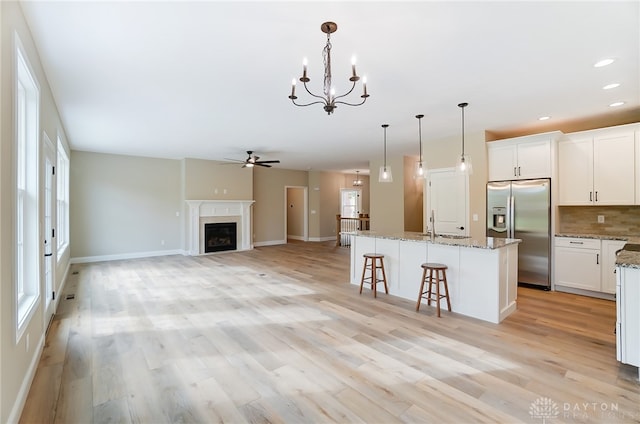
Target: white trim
{"x": 218, "y": 208}
{"x": 21, "y": 398}
{"x": 327, "y": 238}
{"x": 269, "y": 243}
{"x": 135, "y": 255}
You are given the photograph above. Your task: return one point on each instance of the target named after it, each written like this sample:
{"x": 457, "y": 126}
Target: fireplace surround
{"x": 202, "y": 212}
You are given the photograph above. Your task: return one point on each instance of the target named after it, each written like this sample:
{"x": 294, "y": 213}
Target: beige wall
{"x": 387, "y": 199}
{"x": 16, "y": 360}
{"x": 210, "y": 180}
{"x": 124, "y": 204}
{"x": 269, "y": 209}
{"x": 413, "y": 196}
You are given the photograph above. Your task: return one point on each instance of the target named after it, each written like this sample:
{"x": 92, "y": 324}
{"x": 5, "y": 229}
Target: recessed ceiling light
{"x": 603, "y": 62}
{"x": 610, "y": 86}
{"x": 615, "y": 104}
{"x": 544, "y": 118}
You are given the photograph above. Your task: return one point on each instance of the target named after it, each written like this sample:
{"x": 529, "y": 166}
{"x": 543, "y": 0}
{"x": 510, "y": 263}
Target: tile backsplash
{"x": 618, "y": 220}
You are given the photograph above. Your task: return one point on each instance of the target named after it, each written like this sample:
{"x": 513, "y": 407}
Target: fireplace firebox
{"x": 220, "y": 236}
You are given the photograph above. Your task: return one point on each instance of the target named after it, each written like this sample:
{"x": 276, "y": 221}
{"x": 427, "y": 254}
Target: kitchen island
{"x": 628, "y": 305}
{"x": 482, "y": 274}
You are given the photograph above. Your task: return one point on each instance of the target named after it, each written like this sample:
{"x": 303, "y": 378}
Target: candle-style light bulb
{"x": 293, "y": 87}
{"x": 304, "y": 67}
{"x": 364, "y": 86}
{"x": 353, "y": 65}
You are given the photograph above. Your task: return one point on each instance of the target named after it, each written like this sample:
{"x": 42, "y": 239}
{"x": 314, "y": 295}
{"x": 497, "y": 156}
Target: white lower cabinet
{"x": 577, "y": 263}
{"x": 628, "y": 315}
{"x": 586, "y": 263}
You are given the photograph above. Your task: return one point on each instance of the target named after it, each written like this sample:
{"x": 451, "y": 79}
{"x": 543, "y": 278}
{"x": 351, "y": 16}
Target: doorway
{"x": 296, "y": 226}
{"x": 447, "y": 201}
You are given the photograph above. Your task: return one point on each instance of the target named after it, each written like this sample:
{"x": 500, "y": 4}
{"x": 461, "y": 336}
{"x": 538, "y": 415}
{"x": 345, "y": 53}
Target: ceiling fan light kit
{"x": 253, "y": 160}
{"x": 329, "y": 98}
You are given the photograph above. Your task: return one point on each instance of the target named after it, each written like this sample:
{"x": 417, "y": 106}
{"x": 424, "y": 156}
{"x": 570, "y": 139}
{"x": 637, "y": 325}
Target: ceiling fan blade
{"x": 267, "y": 161}
{"x": 263, "y": 164}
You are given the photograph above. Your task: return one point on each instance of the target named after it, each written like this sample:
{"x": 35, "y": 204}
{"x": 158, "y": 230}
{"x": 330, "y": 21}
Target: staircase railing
{"x": 346, "y": 225}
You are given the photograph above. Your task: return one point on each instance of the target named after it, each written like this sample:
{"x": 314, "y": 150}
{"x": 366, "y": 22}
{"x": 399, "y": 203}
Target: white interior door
{"x": 49, "y": 246}
{"x": 447, "y": 198}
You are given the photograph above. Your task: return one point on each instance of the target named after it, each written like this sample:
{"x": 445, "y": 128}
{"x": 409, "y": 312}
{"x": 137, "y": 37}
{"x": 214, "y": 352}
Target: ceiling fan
{"x": 253, "y": 160}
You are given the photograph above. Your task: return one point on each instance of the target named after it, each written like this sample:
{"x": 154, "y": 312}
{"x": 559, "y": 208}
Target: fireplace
{"x": 204, "y": 212}
{"x": 220, "y": 236}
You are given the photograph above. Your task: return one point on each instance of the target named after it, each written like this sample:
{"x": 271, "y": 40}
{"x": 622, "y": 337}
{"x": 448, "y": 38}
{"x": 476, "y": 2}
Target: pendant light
{"x": 464, "y": 162}
{"x": 385, "y": 175}
{"x": 357, "y": 182}
{"x": 420, "y": 168}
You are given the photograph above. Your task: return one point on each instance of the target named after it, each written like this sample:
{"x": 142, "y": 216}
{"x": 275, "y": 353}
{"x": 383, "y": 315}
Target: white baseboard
{"x": 21, "y": 399}
{"x": 269, "y": 243}
{"x": 135, "y": 255}
{"x": 301, "y": 238}
{"x": 322, "y": 238}
{"x": 60, "y": 289}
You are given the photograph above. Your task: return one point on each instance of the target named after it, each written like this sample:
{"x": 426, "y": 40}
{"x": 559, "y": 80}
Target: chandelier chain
{"x": 326, "y": 58}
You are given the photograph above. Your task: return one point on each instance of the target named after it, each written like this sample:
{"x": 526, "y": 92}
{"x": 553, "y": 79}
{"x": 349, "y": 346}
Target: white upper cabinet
{"x": 520, "y": 158}
{"x": 597, "y": 168}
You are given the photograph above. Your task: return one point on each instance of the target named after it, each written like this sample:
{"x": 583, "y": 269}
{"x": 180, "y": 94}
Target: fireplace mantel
{"x": 234, "y": 209}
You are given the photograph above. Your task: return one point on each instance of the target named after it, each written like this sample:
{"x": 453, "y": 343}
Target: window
{"x": 62, "y": 173}
{"x": 27, "y": 268}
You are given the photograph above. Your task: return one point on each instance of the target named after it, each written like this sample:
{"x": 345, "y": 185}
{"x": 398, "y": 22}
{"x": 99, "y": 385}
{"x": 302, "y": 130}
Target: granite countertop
{"x": 635, "y": 238}
{"x": 625, "y": 258}
{"x": 483, "y": 243}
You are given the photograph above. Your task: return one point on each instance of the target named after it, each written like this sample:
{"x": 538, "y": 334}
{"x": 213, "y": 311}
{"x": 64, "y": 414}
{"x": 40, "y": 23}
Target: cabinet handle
{"x": 519, "y": 174}
{"x": 597, "y": 259}
{"x": 596, "y": 196}
{"x": 576, "y": 242}
{"x": 591, "y": 196}
{"x": 515, "y": 173}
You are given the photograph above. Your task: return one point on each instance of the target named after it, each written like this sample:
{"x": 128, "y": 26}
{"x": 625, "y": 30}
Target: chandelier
{"x": 357, "y": 182}
{"x": 329, "y": 98}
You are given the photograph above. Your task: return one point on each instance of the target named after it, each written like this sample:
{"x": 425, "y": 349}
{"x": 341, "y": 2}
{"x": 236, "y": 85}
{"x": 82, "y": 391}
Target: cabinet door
{"x": 609, "y": 249}
{"x": 575, "y": 172}
{"x": 613, "y": 169}
{"x": 534, "y": 160}
{"x": 502, "y": 158}
{"x": 578, "y": 268}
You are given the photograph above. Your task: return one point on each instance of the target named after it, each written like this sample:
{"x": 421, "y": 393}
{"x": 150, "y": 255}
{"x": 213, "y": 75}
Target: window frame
{"x": 26, "y": 209}
{"x": 62, "y": 199}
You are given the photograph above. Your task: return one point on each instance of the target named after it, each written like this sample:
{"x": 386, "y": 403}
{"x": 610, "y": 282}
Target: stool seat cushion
{"x": 373, "y": 255}
{"x": 433, "y": 265}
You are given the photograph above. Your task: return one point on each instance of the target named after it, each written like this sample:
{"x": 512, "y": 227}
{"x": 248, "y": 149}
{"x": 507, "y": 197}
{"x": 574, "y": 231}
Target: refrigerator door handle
{"x": 509, "y": 217}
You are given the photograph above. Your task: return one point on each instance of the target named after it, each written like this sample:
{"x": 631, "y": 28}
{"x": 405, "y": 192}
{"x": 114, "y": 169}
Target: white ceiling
{"x": 210, "y": 79}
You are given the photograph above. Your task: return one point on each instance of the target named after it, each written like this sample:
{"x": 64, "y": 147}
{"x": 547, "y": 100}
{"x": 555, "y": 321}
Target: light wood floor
{"x": 278, "y": 335}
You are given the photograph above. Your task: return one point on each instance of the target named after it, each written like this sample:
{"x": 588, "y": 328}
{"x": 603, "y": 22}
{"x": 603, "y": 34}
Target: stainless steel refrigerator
{"x": 522, "y": 209}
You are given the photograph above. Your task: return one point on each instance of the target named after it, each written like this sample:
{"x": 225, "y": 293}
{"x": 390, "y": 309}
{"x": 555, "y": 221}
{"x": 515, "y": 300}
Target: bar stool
{"x": 373, "y": 262}
{"x": 434, "y": 274}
